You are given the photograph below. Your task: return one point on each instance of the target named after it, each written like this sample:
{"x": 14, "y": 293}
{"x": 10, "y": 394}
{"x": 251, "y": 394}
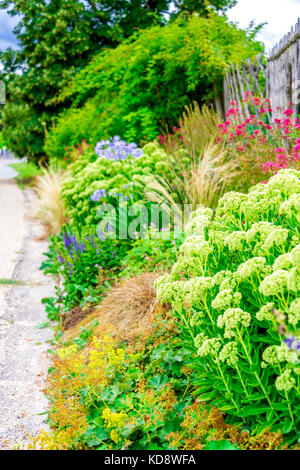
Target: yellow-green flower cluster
{"x": 275, "y": 283}
{"x": 294, "y": 312}
{"x": 197, "y": 289}
{"x": 250, "y": 267}
{"x": 195, "y": 245}
{"x": 229, "y": 353}
{"x": 235, "y": 240}
{"x": 291, "y": 207}
{"x": 283, "y": 262}
{"x": 277, "y": 237}
{"x": 275, "y": 354}
{"x": 210, "y": 347}
{"x": 225, "y": 299}
{"x": 285, "y": 382}
{"x": 265, "y": 313}
{"x": 197, "y": 319}
{"x": 200, "y": 219}
{"x": 233, "y": 319}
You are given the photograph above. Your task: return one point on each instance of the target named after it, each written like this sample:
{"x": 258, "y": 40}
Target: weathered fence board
{"x": 280, "y": 75}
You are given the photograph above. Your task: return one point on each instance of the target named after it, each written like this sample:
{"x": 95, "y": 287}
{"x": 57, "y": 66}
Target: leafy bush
{"x": 93, "y": 179}
{"x": 82, "y": 262}
{"x": 155, "y": 250}
{"x": 252, "y": 141}
{"x": 144, "y": 84}
{"x": 111, "y": 396}
{"x": 235, "y": 288}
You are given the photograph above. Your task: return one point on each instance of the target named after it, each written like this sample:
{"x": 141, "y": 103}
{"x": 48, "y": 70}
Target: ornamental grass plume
{"x": 197, "y": 128}
{"x": 129, "y": 308}
{"x": 50, "y": 210}
{"x": 202, "y": 181}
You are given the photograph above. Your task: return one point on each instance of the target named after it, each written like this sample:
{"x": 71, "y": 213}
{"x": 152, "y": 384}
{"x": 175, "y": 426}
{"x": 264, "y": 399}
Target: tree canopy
{"x": 57, "y": 39}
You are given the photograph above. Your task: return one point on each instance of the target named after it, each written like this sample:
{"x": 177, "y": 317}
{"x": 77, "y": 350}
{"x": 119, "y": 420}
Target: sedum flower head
{"x": 210, "y": 347}
{"x": 195, "y": 245}
{"x": 235, "y": 241}
{"x": 199, "y": 221}
{"x": 285, "y": 181}
{"x": 294, "y": 312}
{"x": 229, "y": 204}
{"x": 285, "y": 354}
{"x": 276, "y": 238}
{"x": 199, "y": 340}
{"x": 270, "y": 355}
{"x": 283, "y": 262}
{"x": 291, "y": 206}
{"x": 295, "y": 257}
{"x": 229, "y": 353}
{"x": 293, "y": 280}
{"x": 275, "y": 283}
{"x": 221, "y": 276}
{"x": 250, "y": 267}
{"x": 228, "y": 283}
{"x": 259, "y": 231}
{"x": 197, "y": 289}
{"x": 232, "y": 319}
{"x": 197, "y": 319}
{"x": 225, "y": 299}
{"x": 285, "y": 382}
{"x": 171, "y": 291}
{"x": 265, "y": 313}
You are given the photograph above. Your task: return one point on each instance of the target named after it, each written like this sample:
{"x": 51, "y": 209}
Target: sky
{"x": 281, "y": 15}
{"x": 7, "y": 38}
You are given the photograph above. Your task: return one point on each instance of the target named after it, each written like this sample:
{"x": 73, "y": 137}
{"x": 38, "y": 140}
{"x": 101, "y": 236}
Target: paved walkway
{"x": 23, "y": 358}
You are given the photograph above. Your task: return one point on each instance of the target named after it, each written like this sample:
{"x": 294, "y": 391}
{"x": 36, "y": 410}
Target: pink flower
{"x": 262, "y": 110}
{"x": 288, "y": 112}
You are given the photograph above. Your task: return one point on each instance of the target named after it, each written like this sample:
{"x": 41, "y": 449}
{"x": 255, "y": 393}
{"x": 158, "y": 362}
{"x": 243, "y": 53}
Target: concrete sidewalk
{"x": 23, "y": 348}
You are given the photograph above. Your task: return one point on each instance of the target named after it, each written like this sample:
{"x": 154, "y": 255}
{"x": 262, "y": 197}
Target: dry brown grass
{"x": 129, "y": 309}
{"x": 50, "y": 211}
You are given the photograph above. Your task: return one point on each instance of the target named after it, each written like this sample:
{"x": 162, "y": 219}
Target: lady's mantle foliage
{"x": 236, "y": 289}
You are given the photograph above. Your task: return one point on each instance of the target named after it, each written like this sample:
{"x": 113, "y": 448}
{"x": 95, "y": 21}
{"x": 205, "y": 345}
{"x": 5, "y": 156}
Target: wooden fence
{"x": 278, "y": 78}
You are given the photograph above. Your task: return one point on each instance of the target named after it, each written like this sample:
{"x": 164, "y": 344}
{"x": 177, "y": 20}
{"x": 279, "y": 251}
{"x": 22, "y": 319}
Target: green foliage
{"x": 122, "y": 180}
{"x": 154, "y": 250}
{"x": 235, "y": 288}
{"x": 84, "y": 264}
{"x": 130, "y": 397}
{"x": 56, "y": 39}
{"x": 144, "y": 84}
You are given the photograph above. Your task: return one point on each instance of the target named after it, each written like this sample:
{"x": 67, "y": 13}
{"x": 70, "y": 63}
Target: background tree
{"x": 57, "y": 38}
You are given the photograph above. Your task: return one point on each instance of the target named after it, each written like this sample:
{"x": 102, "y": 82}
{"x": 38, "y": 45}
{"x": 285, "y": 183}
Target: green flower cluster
{"x": 239, "y": 275}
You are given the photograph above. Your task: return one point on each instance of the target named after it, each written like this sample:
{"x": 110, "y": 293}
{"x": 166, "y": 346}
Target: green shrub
{"x": 155, "y": 250}
{"x": 144, "y": 84}
{"x": 121, "y": 180}
{"x": 235, "y": 288}
{"x": 82, "y": 262}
